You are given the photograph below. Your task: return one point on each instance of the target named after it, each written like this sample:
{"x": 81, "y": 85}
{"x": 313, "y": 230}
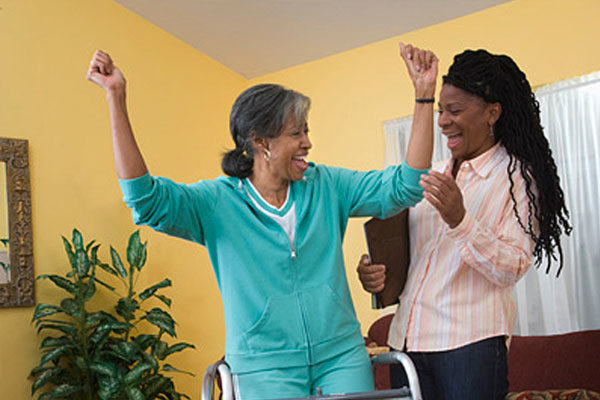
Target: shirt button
{"x": 466, "y": 165}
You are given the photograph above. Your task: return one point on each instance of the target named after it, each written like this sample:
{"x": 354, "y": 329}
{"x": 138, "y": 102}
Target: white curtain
{"x": 570, "y": 113}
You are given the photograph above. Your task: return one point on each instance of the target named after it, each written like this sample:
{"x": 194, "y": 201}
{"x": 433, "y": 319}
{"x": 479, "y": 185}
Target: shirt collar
{"x": 484, "y": 163}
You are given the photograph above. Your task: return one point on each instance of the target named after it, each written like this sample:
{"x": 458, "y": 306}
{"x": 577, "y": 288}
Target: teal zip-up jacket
{"x": 286, "y": 304}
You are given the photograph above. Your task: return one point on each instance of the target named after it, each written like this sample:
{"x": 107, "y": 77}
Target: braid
{"x": 497, "y": 79}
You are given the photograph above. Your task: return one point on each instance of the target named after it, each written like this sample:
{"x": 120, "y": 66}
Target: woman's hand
{"x": 442, "y": 192}
{"x": 372, "y": 277}
{"x": 129, "y": 162}
{"x": 103, "y": 72}
{"x": 422, "y": 66}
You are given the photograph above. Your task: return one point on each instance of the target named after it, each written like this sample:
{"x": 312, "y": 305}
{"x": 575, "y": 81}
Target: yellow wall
{"x": 179, "y": 100}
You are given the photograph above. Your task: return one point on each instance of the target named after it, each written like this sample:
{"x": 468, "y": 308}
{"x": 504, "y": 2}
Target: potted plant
{"x": 103, "y": 354}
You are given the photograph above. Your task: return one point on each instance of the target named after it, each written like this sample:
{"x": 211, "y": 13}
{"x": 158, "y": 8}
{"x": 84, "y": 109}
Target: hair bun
{"x": 237, "y": 163}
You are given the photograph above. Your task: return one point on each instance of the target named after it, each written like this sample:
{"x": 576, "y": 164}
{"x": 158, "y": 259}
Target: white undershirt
{"x": 286, "y": 221}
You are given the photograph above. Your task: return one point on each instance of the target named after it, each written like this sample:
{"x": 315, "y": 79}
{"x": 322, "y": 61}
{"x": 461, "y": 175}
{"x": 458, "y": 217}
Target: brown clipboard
{"x": 388, "y": 243}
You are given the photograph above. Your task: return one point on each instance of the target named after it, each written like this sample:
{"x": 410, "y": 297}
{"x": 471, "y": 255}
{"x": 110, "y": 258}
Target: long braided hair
{"x": 498, "y": 79}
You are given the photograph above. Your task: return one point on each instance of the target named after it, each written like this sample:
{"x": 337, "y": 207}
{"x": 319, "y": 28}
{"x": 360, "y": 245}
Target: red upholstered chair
{"x": 569, "y": 361}
{"x": 378, "y": 333}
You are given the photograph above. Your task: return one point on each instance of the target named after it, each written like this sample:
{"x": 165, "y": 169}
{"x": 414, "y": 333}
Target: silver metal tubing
{"x": 226, "y": 381}
{"x": 413, "y": 392}
{"x": 208, "y": 381}
{"x": 397, "y": 394}
{"x": 395, "y": 357}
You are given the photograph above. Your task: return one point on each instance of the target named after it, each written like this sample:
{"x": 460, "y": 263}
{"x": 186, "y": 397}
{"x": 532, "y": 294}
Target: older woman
{"x": 490, "y": 209}
{"x": 274, "y": 230}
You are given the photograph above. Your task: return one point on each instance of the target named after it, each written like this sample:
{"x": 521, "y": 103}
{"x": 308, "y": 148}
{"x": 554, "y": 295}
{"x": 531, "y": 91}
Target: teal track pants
{"x": 349, "y": 372}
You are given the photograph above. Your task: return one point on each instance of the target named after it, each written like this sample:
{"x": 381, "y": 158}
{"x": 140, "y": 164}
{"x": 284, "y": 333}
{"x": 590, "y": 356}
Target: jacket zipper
{"x": 305, "y": 327}
{"x": 303, "y": 313}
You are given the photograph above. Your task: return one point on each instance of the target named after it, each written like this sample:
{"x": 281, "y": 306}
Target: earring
{"x": 492, "y": 130}
{"x": 267, "y": 155}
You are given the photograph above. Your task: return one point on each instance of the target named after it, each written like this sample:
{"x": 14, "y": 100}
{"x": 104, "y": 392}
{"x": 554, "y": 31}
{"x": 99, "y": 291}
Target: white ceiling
{"x": 255, "y": 37}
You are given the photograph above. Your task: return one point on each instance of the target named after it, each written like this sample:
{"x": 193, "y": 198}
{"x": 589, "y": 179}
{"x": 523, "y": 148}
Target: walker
{"x": 412, "y": 392}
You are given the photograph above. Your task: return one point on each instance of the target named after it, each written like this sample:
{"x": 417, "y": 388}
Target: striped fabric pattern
{"x": 460, "y": 280}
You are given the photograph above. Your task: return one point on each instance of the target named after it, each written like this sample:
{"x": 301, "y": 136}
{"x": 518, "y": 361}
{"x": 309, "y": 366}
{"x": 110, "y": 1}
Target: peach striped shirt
{"x": 460, "y": 280}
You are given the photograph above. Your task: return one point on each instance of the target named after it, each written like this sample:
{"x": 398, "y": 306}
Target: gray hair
{"x": 260, "y": 111}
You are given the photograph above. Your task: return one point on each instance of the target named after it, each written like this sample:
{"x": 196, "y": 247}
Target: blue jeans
{"x": 477, "y": 371}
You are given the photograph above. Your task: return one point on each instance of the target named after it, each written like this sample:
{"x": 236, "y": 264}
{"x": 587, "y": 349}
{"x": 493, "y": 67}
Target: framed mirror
{"x": 16, "y": 240}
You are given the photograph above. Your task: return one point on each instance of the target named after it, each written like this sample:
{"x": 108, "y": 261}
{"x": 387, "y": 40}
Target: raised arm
{"x": 422, "y": 67}
{"x": 129, "y": 162}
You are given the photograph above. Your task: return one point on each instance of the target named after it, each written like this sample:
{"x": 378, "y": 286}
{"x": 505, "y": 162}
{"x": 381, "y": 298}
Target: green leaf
{"x": 144, "y": 341}
{"x": 160, "y": 349}
{"x": 144, "y": 255}
{"x": 150, "y": 359}
{"x": 70, "y": 253}
{"x": 172, "y": 394}
{"x": 112, "y": 289}
{"x": 117, "y": 263}
{"x": 134, "y": 393}
{"x": 94, "y": 255}
{"x": 127, "y": 351}
{"x": 162, "y": 320}
{"x": 66, "y": 390}
{"x": 100, "y": 337}
{"x": 89, "y": 289}
{"x": 134, "y": 249}
{"x": 126, "y": 308}
{"x": 179, "y": 347}
{"x": 170, "y": 368}
{"x": 83, "y": 262}
{"x": 69, "y": 330}
{"x": 164, "y": 299}
{"x": 43, "y": 310}
{"x": 70, "y": 307}
{"x": 56, "y": 341}
{"x": 136, "y": 373}
{"x": 99, "y": 316}
{"x": 54, "y": 321}
{"x": 108, "y": 269}
{"x": 54, "y": 354}
{"x": 104, "y": 368}
{"x": 77, "y": 240}
{"x": 154, "y": 385}
{"x": 90, "y": 244}
{"x": 37, "y": 370}
{"x": 45, "y": 377}
{"x": 61, "y": 282}
{"x": 109, "y": 387}
{"x": 105, "y": 328}
{"x": 152, "y": 289}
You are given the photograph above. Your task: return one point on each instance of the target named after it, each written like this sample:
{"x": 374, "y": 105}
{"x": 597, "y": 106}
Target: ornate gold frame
{"x": 19, "y": 292}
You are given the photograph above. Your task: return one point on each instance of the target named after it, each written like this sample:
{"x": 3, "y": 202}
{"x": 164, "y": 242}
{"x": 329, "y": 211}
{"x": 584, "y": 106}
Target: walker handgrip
{"x": 208, "y": 381}
{"x": 226, "y": 382}
{"x": 218, "y": 368}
